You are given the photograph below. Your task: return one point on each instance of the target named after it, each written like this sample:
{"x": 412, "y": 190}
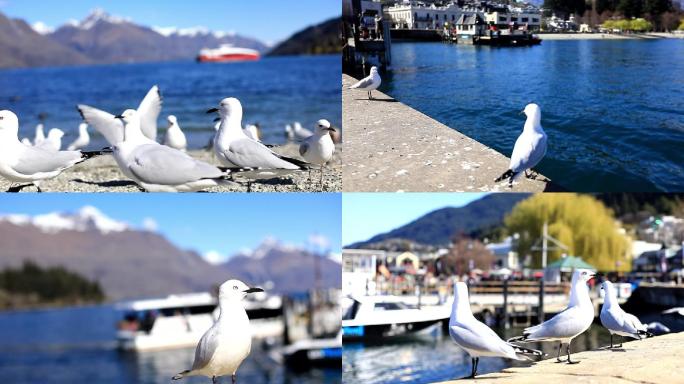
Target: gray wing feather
{"x": 105, "y": 123}
{"x": 159, "y": 164}
{"x": 562, "y": 325}
{"x": 36, "y": 160}
{"x": 303, "y": 148}
{"x": 149, "y": 110}
{"x": 528, "y": 152}
{"x": 480, "y": 337}
{"x": 363, "y": 83}
{"x": 248, "y": 153}
{"x": 205, "y": 349}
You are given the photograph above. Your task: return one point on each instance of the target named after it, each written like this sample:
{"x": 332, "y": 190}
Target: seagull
{"x": 26, "y": 141}
{"x": 289, "y": 132}
{"x": 229, "y": 341}
{"x": 251, "y": 131}
{"x": 319, "y": 147}
{"x": 567, "y": 325}
{"x": 530, "y": 147}
{"x": 158, "y": 168}
{"x": 300, "y": 133}
{"x": 617, "y": 321}
{"x": 111, "y": 129}
{"x": 53, "y": 141}
{"x": 475, "y": 337}
{"x": 83, "y": 138}
{"x": 40, "y": 135}
{"x": 369, "y": 83}
{"x": 234, "y": 149}
{"x": 174, "y": 136}
{"x": 21, "y": 163}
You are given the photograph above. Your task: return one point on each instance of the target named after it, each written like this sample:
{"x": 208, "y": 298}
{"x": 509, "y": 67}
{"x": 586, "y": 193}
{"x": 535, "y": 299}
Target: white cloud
{"x": 214, "y": 257}
{"x": 336, "y": 257}
{"x": 42, "y": 28}
{"x": 319, "y": 241}
{"x": 150, "y": 224}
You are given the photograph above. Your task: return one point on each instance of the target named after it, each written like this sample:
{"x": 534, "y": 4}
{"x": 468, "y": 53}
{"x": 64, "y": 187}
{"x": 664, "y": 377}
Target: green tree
{"x": 640, "y": 25}
{"x": 581, "y": 222}
{"x": 681, "y": 25}
{"x": 630, "y": 8}
{"x": 564, "y": 8}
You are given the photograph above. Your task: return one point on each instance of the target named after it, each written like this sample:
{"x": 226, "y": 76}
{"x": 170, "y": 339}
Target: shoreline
{"x": 608, "y": 36}
{"x": 101, "y": 174}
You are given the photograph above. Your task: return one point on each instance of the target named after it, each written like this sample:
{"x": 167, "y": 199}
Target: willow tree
{"x": 581, "y": 222}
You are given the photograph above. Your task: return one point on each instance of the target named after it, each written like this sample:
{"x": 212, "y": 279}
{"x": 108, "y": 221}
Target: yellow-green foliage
{"x": 580, "y": 222}
{"x": 639, "y": 25}
{"x": 681, "y": 25}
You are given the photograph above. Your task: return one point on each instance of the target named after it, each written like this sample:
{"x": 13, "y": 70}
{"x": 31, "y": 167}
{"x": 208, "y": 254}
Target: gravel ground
{"x": 102, "y": 175}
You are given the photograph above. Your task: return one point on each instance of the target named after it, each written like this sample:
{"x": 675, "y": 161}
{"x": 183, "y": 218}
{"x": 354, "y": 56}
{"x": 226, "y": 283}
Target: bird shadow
{"x": 108, "y": 184}
{"x": 382, "y": 100}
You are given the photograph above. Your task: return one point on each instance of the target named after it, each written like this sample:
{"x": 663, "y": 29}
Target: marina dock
{"x": 390, "y": 146}
{"x": 654, "y": 360}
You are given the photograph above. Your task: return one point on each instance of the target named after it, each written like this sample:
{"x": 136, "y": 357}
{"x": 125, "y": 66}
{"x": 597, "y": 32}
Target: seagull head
{"x": 532, "y": 110}
{"x": 228, "y": 107}
{"x": 9, "y": 123}
{"x": 236, "y": 289}
{"x": 128, "y": 116}
{"x": 583, "y": 275}
{"x": 55, "y": 133}
{"x": 171, "y": 119}
{"x": 83, "y": 127}
{"x": 324, "y": 126}
{"x": 374, "y": 70}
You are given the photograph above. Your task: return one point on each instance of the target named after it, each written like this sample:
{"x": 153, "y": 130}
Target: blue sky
{"x": 225, "y": 223}
{"x": 268, "y": 20}
{"x": 367, "y": 214}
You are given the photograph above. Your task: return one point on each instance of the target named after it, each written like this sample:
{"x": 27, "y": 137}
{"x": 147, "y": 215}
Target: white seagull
{"x": 83, "y": 139}
{"x": 234, "y": 149}
{"x": 319, "y": 147}
{"x": 289, "y": 132}
{"x": 616, "y": 320}
{"x": 53, "y": 141}
{"x": 40, "y": 134}
{"x": 20, "y": 163}
{"x": 475, "y": 337}
{"x": 530, "y": 147}
{"x": 229, "y": 341}
{"x": 369, "y": 83}
{"x": 158, "y": 168}
{"x": 175, "y": 138}
{"x": 570, "y": 323}
{"x": 111, "y": 129}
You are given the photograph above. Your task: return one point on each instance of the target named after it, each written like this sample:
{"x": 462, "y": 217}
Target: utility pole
{"x": 544, "y": 250}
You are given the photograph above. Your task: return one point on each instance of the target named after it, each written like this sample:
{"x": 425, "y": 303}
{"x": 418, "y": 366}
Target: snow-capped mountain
{"x": 87, "y": 218}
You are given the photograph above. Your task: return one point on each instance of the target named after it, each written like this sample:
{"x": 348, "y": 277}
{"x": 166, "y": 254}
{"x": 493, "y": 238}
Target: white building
{"x": 358, "y": 270}
{"x": 505, "y": 256}
{"x": 506, "y": 17}
{"x": 411, "y": 14}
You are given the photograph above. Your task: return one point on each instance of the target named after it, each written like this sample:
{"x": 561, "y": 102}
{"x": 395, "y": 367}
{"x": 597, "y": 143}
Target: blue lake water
{"x": 274, "y": 91}
{"x": 613, "y": 110}
{"x": 77, "y": 345}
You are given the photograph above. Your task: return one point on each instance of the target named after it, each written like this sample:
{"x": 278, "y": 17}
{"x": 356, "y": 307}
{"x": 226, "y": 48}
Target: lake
{"x": 613, "y": 110}
{"x": 77, "y": 345}
{"x": 274, "y": 91}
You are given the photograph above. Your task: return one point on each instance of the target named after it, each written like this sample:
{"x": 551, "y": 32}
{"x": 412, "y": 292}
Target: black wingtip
{"x": 80, "y": 111}
{"x": 505, "y": 175}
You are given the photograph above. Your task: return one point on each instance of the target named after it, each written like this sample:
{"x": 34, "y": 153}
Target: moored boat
{"x": 227, "y": 53}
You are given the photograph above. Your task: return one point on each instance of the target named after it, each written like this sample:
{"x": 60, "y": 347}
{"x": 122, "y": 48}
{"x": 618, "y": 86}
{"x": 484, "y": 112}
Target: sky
{"x": 270, "y": 21}
{"x": 365, "y": 215}
{"x": 222, "y": 223}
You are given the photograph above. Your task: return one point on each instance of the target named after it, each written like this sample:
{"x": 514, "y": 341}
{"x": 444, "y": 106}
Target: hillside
{"x": 323, "y": 38}
{"x": 438, "y": 227}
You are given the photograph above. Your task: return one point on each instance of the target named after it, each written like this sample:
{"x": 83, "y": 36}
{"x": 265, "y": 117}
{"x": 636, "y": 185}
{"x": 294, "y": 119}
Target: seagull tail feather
{"x": 181, "y": 375}
{"x": 645, "y": 333}
{"x": 527, "y": 351}
{"x": 517, "y": 338}
{"x": 298, "y": 163}
{"x": 508, "y": 174}
{"x": 90, "y": 154}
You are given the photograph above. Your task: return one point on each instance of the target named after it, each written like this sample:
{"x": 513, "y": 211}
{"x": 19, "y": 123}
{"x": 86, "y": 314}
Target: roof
{"x": 471, "y": 19}
{"x": 569, "y": 263}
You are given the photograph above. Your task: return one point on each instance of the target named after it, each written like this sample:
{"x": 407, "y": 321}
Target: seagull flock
{"x": 156, "y": 167}
{"x": 529, "y": 149}
{"x": 478, "y": 340}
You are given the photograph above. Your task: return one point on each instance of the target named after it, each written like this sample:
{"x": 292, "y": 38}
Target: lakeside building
{"x": 411, "y": 14}
{"x": 504, "y": 255}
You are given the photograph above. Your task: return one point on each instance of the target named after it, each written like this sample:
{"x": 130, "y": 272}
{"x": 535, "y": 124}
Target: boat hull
{"x": 383, "y": 331}
{"x": 229, "y": 58}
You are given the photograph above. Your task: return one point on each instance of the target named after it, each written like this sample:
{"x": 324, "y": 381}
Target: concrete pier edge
{"x": 653, "y": 360}
{"x": 391, "y": 147}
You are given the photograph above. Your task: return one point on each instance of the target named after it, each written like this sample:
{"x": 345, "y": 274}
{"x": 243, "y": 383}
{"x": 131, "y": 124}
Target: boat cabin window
{"x": 194, "y": 310}
{"x": 388, "y": 306}
{"x": 351, "y": 312}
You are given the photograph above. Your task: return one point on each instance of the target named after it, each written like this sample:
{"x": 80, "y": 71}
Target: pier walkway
{"x": 390, "y": 147}
{"x": 654, "y": 360}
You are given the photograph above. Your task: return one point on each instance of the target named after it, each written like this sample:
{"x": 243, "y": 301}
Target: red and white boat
{"x": 227, "y": 53}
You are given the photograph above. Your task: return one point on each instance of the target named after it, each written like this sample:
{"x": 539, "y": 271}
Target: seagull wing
{"x": 634, "y": 322}
{"x": 149, "y": 110}
{"x": 251, "y": 154}
{"x": 205, "y": 349}
{"x": 563, "y": 325}
{"x": 476, "y": 336}
{"x": 105, "y": 123}
{"x": 363, "y": 83}
{"x": 303, "y": 148}
{"x": 162, "y": 165}
{"x": 615, "y": 321}
{"x": 528, "y": 151}
{"x": 34, "y": 160}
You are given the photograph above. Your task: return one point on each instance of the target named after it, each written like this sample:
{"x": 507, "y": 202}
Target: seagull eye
{"x": 235, "y": 287}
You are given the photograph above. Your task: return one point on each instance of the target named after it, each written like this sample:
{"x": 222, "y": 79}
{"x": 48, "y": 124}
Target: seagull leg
{"x": 473, "y": 367}
{"x": 19, "y": 188}
{"x": 320, "y": 182}
{"x": 214, "y": 380}
{"x": 234, "y": 378}
{"x": 558, "y": 360}
{"x": 611, "y": 341}
{"x": 619, "y": 346}
{"x": 570, "y": 361}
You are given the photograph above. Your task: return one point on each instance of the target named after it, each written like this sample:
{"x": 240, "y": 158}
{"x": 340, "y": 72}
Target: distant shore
{"x": 103, "y": 175}
{"x": 608, "y": 36}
